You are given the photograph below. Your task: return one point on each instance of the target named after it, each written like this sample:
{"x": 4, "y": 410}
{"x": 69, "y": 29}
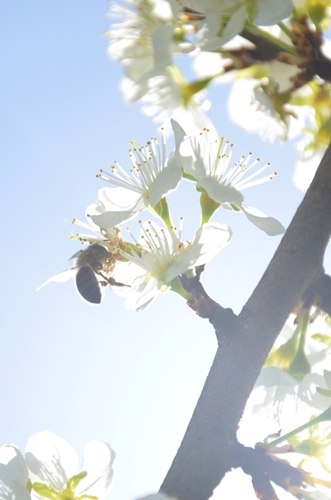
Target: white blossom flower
{"x": 315, "y": 390}
{"x": 209, "y": 64}
{"x": 164, "y": 94}
{"x": 50, "y": 469}
{"x": 251, "y": 108}
{"x": 317, "y": 345}
{"x": 143, "y": 40}
{"x": 276, "y": 386}
{"x": 131, "y": 40}
{"x": 226, "y": 18}
{"x": 207, "y": 160}
{"x": 14, "y": 474}
{"x": 273, "y": 389}
{"x": 144, "y": 43}
{"x": 161, "y": 257}
{"x": 217, "y": 28}
{"x": 151, "y": 178}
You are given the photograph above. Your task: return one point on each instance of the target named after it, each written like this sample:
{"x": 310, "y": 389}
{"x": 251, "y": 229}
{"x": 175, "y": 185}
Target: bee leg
{"x": 116, "y": 283}
{"x": 110, "y": 281}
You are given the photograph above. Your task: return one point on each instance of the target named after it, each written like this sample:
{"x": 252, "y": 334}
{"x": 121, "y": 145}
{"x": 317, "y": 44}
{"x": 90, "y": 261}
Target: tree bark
{"x": 208, "y": 449}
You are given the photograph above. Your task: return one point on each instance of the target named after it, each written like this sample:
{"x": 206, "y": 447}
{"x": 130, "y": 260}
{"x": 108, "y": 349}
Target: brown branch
{"x": 207, "y": 451}
{"x": 318, "y": 294}
{"x": 308, "y": 44}
{"x": 264, "y": 469}
{"x": 205, "y": 306}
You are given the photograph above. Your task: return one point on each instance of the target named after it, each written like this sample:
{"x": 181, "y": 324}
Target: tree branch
{"x": 318, "y": 294}
{"x": 207, "y": 451}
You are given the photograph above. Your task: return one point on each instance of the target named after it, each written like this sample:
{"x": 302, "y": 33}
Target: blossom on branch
{"x": 50, "y": 470}
{"x": 207, "y": 160}
{"x": 315, "y": 390}
{"x": 257, "y": 109}
{"x": 145, "y": 40}
{"x": 166, "y": 94}
{"x": 290, "y": 377}
{"x": 152, "y": 177}
{"x": 160, "y": 257}
{"x": 227, "y": 18}
{"x": 14, "y": 474}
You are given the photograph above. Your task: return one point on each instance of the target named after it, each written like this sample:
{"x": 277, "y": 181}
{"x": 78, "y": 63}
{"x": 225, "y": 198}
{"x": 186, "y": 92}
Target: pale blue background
{"x": 100, "y": 372}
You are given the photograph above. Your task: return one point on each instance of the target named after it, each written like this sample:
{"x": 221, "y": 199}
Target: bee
{"x": 92, "y": 263}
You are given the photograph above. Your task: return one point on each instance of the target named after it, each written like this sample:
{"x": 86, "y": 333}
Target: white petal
{"x": 193, "y": 118}
{"x": 13, "y": 473}
{"x": 272, "y": 376}
{"x": 128, "y": 273}
{"x": 208, "y": 36}
{"x": 136, "y": 67}
{"x": 179, "y": 132}
{"x": 327, "y": 378}
{"x": 281, "y": 74}
{"x": 121, "y": 199}
{"x": 50, "y": 459}
{"x": 208, "y": 241}
{"x": 111, "y": 219}
{"x": 277, "y": 387}
{"x": 166, "y": 181}
{"x": 115, "y": 206}
{"x": 271, "y": 12}
{"x": 60, "y": 277}
{"x": 135, "y": 90}
{"x": 183, "y": 156}
{"x": 6, "y": 494}
{"x": 143, "y": 295}
{"x": 161, "y": 40}
{"x": 267, "y": 224}
{"x": 235, "y": 24}
{"x": 98, "y": 462}
{"x": 162, "y": 10}
{"x": 220, "y": 193}
{"x": 308, "y": 393}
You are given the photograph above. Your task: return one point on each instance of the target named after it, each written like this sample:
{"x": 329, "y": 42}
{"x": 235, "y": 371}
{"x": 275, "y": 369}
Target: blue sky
{"x": 100, "y": 372}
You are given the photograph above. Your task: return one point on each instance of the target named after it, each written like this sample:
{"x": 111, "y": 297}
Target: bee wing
{"x": 60, "y": 277}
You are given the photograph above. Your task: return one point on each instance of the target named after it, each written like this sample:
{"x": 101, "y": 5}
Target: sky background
{"x": 130, "y": 379}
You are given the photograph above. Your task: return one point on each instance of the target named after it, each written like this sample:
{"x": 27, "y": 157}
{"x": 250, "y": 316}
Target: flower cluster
{"x": 270, "y": 50}
{"x": 49, "y": 470}
{"x": 145, "y": 37}
{"x": 288, "y": 373}
{"x": 142, "y": 268}
{"x": 294, "y": 388}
